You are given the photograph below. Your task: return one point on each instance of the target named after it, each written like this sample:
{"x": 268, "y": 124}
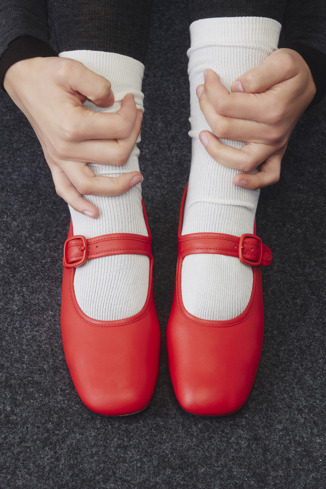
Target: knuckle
{"x": 121, "y": 160}
{"x": 124, "y": 129}
{"x": 65, "y": 68}
{"x": 275, "y": 177}
{"x": 275, "y": 136}
{"x": 220, "y": 105}
{"x": 70, "y": 129}
{"x": 118, "y": 160}
{"x": 61, "y": 149}
{"x": 289, "y": 63}
{"x": 104, "y": 90}
{"x": 123, "y": 156}
{"x": 116, "y": 186}
{"x": 84, "y": 188}
{"x": 248, "y": 165}
{"x": 275, "y": 113}
{"x": 219, "y": 131}
{"x": 245, "y": 167}
{"x": 220, "y": 127}
{"x": 201, "y": 99}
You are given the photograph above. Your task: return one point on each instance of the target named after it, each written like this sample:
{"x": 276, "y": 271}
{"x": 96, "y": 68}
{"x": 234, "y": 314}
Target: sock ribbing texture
{"x": 113, "y": 287}
{"x": 217, "y": 287}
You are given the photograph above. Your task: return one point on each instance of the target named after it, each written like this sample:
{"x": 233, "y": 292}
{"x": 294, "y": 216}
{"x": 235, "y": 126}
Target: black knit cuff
{"x": 316, "y": 60}
{"x": 23, "y": 47}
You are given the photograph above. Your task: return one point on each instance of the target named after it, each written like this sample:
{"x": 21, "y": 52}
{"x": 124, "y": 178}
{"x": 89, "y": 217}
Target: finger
{"x": 268, "y": 174}
{"x": 85, "y": 181}
{"x": 115, "y": 152}
{"x": 214, "y": 90}
{"x": 93, "y": 86}
{"x": 68, "y": 192}
{"x": 246, "y": 106}
{"x": 239, "y": 129}
{"x": 246, "y": 159}
{"x": 90, "y": 125}
{"x": 268, "y": 74}
{"x": 213, "y": 84}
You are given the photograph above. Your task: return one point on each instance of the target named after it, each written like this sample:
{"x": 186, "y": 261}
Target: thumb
{"x": 93, "y": 86}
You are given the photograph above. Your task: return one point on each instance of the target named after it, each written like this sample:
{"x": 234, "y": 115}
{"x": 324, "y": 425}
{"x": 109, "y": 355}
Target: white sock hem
{"x": 234, "y": 31}
{"x": 124, "y": 73}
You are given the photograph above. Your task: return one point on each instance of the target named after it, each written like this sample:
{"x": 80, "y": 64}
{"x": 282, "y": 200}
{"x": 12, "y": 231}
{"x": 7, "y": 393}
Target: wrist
{"x": 17, "y": 72}
{"x": 21, "y": 48}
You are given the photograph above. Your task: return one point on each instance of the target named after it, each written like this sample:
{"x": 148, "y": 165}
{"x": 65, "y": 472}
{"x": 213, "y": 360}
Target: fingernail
{"x": 88, "y": 213}
{"x": 140, "y": 114}
{"x": 238, "y": 86}
{"x": 242, "y": 183}
{"x": 204, "y": 139}
{"x": 205, "y": 74}
{"x": 135, "y": 180}
{"x": 199, "y": 90}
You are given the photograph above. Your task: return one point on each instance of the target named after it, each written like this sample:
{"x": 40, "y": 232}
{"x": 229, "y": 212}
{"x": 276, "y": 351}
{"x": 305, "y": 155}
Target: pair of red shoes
{"x": 114, "y": 364}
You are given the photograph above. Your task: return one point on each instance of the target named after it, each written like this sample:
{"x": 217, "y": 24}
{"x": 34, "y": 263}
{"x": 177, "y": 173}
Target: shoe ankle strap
{"x": 77, "y": 249}
{"x": 248, "y": 248}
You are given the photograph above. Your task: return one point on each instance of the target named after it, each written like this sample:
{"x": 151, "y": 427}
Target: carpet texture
{"x": 48, "y": 438}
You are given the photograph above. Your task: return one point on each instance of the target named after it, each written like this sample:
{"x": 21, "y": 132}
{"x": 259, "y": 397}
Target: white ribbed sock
{"x": 113, "y": 287}
{"x": 217, "y": 287}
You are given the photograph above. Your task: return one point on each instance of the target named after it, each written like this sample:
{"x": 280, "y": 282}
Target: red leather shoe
{"x": 213, "y": 364}
{"x": 113, "y": 364}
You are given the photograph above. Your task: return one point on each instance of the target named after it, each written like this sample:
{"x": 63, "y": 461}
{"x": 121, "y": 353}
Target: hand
{"x": 50, "y": 92}
{"x": 262, "y": 110}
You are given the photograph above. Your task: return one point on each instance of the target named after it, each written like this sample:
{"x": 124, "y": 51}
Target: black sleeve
{"x": 24, "y": 32}
{"x": 304, "y": 30}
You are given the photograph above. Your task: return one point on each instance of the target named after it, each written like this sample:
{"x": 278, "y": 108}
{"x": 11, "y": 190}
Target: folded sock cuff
{"x": 124, "y": 73}
{"x": 234, "y": 31}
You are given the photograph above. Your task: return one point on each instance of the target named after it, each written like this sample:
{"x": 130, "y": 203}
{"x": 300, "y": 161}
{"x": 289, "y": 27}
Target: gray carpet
{"x": 48, "y": 438}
